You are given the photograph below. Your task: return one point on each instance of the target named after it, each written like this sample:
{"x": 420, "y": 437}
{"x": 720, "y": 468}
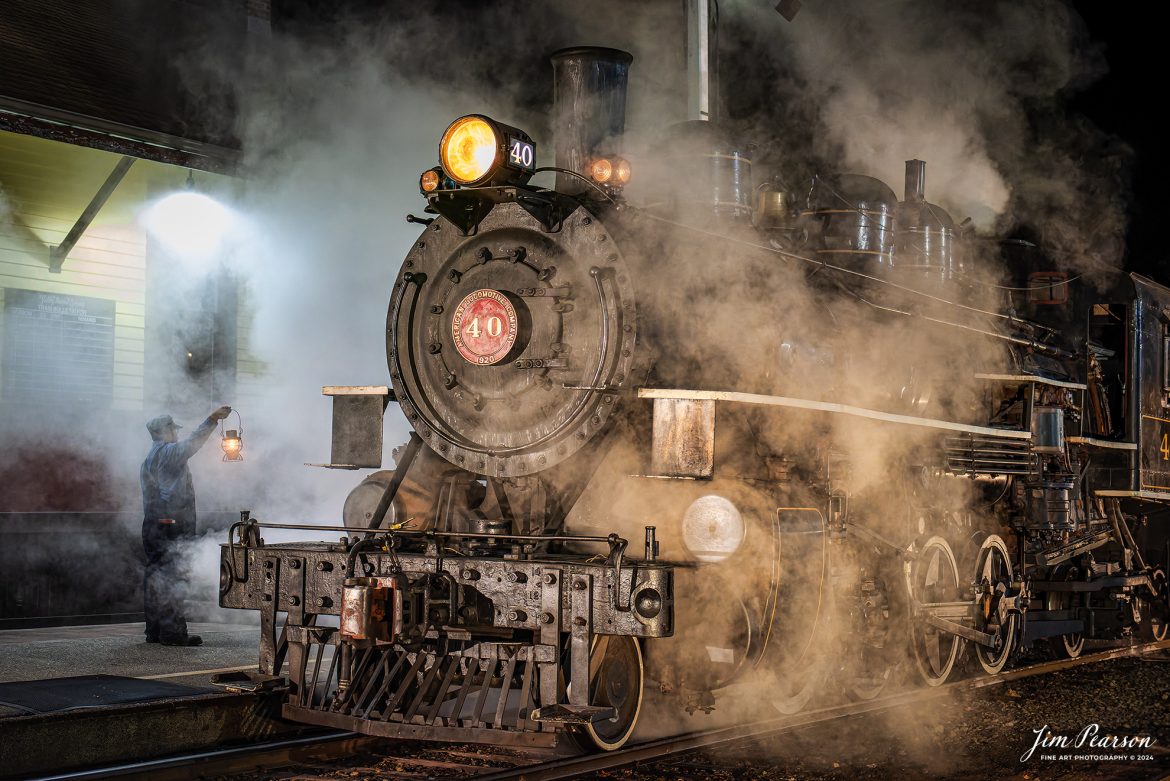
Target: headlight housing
{"x": 477, "y": 151}
{"x": 713, "y": 528}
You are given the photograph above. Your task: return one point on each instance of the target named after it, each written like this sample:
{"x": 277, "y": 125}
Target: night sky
{"x": 1127, "y": 102}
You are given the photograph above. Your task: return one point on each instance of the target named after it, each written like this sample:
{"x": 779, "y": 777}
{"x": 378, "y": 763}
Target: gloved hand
{"x": 221, "y": 413}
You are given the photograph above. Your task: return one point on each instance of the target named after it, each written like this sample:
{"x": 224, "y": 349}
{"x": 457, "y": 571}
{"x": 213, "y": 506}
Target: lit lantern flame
{"x": 233, "y": 446}
{"x": 468, "y": 149}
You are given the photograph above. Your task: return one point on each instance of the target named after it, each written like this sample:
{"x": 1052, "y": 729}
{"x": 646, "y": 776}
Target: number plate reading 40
{"x": 484, "y": 327}
{"x": 521, "y": 153}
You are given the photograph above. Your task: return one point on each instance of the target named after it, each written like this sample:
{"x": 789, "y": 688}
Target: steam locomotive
{"x": 856, "y": 441}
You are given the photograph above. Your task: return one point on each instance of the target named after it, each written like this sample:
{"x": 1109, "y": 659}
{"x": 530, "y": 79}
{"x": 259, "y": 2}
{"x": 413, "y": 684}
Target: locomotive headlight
{"x": 477, "y": 150}
{"x": 712, "y": 528}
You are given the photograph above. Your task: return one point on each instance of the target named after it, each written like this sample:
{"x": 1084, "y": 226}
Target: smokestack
{"x": 915, "y": 190}
{"x": 589, "y": 107}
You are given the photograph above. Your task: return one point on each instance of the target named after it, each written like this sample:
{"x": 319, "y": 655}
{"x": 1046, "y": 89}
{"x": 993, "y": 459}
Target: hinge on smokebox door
{"x": 357, "y": 425}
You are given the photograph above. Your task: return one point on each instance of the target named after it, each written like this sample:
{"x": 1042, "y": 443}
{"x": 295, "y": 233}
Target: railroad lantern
{"x": 232, "y": 441}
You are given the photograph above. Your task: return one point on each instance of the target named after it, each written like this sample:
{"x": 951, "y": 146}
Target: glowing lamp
{"x": 189, "y": 222}
{"x": 611, "y": 171}
{"x": 233, "y": 445}
{"x": 429, "y": 181}
{"x": 232, "y": 440}
{"x": 601, "y": 171}
{"x": 478, "y": 151}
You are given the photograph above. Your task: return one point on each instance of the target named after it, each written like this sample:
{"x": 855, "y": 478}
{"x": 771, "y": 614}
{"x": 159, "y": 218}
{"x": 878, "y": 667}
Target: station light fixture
{"x": 189, "y": 222}
{"x": 477, "y": 151}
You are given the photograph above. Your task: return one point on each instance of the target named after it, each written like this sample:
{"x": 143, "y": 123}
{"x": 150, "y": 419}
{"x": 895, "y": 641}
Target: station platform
{"x": 121, "y": 649}
{"x": 86, "y": 696}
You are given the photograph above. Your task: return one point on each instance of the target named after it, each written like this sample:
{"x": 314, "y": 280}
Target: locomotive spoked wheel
{"x": 1158, "y": 624}
{"x": 993, "y": 577}
{"x": 794, "y": 688}
{"x": 1072, "y": 644}
{"x": 615, "y": 679}
{"x": 933, "y": 578}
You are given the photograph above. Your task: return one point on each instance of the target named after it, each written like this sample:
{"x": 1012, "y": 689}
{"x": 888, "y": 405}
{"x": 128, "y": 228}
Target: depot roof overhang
{"x": 32, "y": 119}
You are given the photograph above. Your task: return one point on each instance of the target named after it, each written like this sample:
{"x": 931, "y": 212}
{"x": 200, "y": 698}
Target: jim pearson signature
{"x": 1089, "y": 736}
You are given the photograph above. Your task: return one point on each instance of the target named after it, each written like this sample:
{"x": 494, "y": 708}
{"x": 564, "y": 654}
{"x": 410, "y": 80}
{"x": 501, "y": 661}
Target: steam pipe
{"x": 589, "y": 108}
{"x": 412, "y": 448}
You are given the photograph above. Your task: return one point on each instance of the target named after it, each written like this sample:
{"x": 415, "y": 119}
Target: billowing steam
{"x": 979, "y": 91}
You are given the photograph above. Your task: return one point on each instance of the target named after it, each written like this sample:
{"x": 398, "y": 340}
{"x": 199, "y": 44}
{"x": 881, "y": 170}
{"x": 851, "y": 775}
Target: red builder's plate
{"x": 484, "y": 327}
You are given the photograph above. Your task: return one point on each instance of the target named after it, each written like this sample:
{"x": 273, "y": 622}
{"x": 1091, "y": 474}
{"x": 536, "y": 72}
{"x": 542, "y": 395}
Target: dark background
{"x": 1126, "y": 102}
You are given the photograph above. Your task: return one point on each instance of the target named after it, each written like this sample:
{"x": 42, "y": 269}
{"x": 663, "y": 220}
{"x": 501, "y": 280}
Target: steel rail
{"x": 222, "y": 761}
{"x": 337, "y": 744}
{"x": 656, "y": 749}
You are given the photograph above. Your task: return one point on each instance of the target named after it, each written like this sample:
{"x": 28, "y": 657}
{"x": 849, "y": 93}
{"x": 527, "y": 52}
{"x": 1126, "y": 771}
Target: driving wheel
{"x": 993, "y": 578}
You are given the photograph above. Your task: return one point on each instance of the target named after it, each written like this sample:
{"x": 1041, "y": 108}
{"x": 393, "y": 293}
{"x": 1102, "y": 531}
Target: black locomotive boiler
{"x": 848, "y": 440}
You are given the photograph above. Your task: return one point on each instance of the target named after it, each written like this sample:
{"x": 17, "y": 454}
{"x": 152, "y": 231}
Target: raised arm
{"x": 179, "y": 452}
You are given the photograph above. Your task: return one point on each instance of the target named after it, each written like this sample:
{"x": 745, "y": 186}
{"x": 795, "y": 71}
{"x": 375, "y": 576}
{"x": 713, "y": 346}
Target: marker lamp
{"x": 611, "y": 171}
{"x": 478, "y": 151}
{"x": 429, "y": 181}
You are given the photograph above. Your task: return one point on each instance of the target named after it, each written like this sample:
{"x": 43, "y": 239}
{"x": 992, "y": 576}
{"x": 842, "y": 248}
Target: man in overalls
{"x": 168, "y": 509}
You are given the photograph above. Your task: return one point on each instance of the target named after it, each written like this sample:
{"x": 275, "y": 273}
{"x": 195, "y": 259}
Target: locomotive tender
{"x": 841, "y": 440}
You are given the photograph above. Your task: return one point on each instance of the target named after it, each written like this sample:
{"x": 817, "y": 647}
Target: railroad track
{"x": 313, "y": 753}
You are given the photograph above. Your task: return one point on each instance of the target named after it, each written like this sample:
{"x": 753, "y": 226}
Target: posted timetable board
{"x": 57, "y": 348}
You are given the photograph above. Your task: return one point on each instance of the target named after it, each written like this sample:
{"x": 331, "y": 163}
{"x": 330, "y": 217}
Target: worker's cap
{"x": 161, "y": 424}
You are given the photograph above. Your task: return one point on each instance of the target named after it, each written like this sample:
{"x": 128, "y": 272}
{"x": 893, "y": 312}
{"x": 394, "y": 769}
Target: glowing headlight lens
{"x": 429, "y": 181}
{"x": 622, "y": 175}
{"x": 601, "y": 170}
{"x": 712, "y": 528}
{"x": 468, "y": 149}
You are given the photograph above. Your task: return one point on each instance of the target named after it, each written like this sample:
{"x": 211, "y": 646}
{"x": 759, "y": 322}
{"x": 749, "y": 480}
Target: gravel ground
{"x": 977, "y": 736}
